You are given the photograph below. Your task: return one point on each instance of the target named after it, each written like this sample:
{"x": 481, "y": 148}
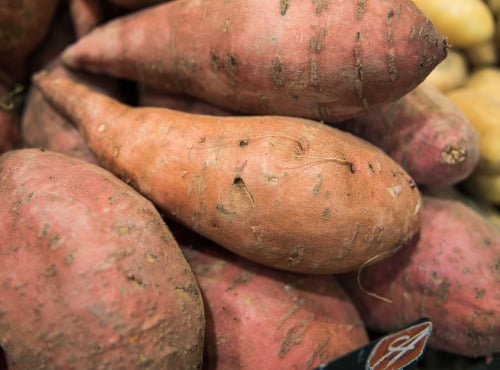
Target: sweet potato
{"x": 425, "y": 133}
{"x": 286, "y": 192}
{"x": 315, "y": 59}
{"x": 135, "y": 4}
{"x": 450, "y": 274}
{"x": 23, "y": 25}
{"x": 10, "y": 133}
{"x": 262, "y": 318}
{"x": 148, "y": 97}
{"x": 86, "y": 15}
{"x": 91, "y": 276}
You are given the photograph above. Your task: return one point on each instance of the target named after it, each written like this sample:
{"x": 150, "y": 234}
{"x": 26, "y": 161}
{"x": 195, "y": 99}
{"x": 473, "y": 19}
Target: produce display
{"x": 228, "y": 184}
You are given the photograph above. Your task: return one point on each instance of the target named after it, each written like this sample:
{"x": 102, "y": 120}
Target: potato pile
{"x": 258, "y": 185}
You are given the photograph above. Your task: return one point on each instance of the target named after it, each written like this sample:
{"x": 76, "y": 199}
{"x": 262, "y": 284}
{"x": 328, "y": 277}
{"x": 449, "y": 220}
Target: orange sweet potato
{"x": 450, "y": 274}
{"x": 262, "y": 318}
{"x": 425, "y": 133}
{"x": 316, "y": 59}
{"x": 91, "y": 276}
{"x": 286, "y": 192}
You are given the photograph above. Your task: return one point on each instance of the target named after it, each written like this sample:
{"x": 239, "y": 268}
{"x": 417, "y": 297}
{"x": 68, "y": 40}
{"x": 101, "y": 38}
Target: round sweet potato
{"x": 100, "y": 279}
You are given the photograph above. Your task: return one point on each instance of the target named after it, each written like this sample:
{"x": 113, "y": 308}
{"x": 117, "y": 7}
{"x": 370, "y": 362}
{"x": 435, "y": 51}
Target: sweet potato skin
{"x": 23, "y": 25}
{"x": 286, "y": 192}
{"x": 41, "y": 125}
{"x": 101, "y": 280}
{"x": 425, "y": 133}
{"x": 315, "y": 59}
{"x": 450, "y": 273}
{"x": 148, "y": 97}
{"x": 262, "y": 318}
{"x": 10, "y": 132}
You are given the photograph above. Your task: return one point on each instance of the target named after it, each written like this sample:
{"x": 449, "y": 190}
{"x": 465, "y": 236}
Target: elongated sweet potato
{"x": 450, "y": 274}
{"x": 286, "y": 192}
{"x": 425, "y": 133}
{"x": 262, "y": 318}
{"x": 315, "y": 59}
{"x": 91, "y": 276}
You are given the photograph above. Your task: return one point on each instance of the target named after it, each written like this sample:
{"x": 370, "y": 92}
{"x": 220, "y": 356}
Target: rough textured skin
{"x": 91, "y": 276}
{"x": 23, "y": 25}
{"x": 286, "y": 192}
{"x": 325, "y": 60}
{"x": 425, "y": 133}
{"x": 450, "y": 274}
{"x": 262, "y": 318}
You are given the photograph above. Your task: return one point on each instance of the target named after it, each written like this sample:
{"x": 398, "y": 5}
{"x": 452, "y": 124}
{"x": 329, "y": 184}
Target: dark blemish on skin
{"x": 358, "y": 66}
{"x": 316, "y": 42}
{"x": 325, "y": 214}
{"x": 314, "y": 80}
{"x": 391, "y": 66}
{"x": 231, "y": 68}
{"x": 360, "y": 9}
{"x": 134, "y": 279}
{"x": 214, "y": 60}
{"x": 278, "y": 71}
{"x": 321, "y": 5}
{"x": 243, "y": 142}
{"x": 284, "y": 5}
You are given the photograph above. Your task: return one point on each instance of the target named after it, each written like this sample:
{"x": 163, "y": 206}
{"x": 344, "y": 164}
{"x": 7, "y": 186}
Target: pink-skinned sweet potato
{"x": 262, "y": 318}
{"x": 148, "y": 97}
{"x": 85, "y": 15}
{"x": 428, "y": 135}
{"x": 450, "y": 274}
{"x": 286, "y": 192}
{"x": 91, "y": 276}
{"x": 316, "y": 59}
{"x": 41, "y": 125}
{"x": 135, "y": 4}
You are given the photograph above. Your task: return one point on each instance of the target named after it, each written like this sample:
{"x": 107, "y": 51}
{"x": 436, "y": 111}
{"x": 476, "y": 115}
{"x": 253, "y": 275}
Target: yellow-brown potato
{"x": 483, "y": 186}
{"x": 464, "y": 22}
{"x": 451, "y": 73}
{"x": 486, "y": 80}
{"x": 483, "y": 54}
{"x": 483, "y": 111}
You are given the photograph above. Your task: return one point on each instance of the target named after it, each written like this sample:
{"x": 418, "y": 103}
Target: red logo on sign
{"x": 400, "y": 349}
